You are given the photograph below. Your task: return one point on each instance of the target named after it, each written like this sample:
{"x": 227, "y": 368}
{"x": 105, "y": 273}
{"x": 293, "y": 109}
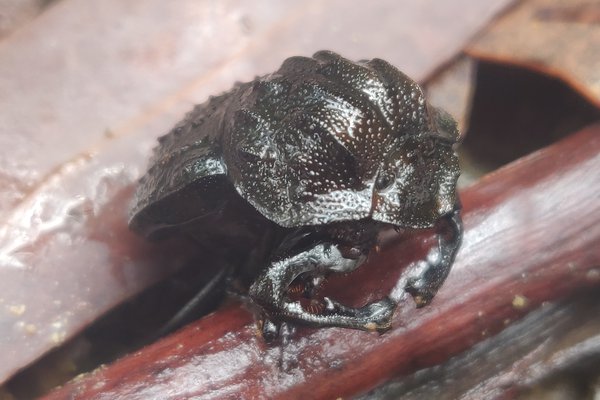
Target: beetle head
{"x": 326, "y": 140}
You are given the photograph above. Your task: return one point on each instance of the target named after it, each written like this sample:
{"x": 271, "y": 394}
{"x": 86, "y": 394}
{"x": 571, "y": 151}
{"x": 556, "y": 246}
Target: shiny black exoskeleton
{"x": 292, "y": 176}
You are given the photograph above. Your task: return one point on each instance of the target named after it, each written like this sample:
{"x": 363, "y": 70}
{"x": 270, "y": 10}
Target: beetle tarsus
{"x": 424, "y": 286}
{"x": 375, "y": 316}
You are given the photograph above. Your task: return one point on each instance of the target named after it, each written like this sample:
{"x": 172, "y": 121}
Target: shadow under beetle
{"x": 292, "y": 176}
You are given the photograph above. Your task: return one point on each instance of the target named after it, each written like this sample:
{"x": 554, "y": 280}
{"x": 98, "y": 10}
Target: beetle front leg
{"x": 270, "y": 291}
{"x": 438, "y": 263}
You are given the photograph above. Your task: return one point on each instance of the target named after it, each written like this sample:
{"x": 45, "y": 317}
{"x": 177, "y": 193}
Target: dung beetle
{"x": 292, "y": 176}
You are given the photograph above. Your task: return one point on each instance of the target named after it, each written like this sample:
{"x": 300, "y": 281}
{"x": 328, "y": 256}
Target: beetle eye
{"x": 384, "y": 180}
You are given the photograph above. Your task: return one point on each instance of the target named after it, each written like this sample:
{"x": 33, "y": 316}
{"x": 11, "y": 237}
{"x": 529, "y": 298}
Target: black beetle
{"x": 292, "y": 176}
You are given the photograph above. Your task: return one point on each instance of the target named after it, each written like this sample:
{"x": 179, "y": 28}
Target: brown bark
{"x": 532, "y": 235}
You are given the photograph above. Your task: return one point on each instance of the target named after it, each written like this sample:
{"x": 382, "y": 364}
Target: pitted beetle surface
{"x": 292, "y": 176}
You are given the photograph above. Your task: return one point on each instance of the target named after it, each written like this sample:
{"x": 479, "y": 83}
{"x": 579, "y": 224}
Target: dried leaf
{"x": 554, "y": 37}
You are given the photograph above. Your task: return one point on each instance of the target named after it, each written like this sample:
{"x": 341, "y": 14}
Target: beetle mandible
{"x": 292, "y": 176}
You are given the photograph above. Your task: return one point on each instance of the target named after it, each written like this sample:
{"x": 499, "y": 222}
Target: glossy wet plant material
{"x": 539, "y": 254}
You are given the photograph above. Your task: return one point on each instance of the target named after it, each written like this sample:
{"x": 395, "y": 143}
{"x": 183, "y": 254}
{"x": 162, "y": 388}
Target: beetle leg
{"x": 190, "y": 310}
{"x": 270, "y": 291}
{"x": 436, "y": 266}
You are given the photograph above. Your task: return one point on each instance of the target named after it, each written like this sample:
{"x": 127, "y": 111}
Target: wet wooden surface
{"x": 552, "y": 353}
{"x": 532, "y": 236}
{"x": 86, "y": 87}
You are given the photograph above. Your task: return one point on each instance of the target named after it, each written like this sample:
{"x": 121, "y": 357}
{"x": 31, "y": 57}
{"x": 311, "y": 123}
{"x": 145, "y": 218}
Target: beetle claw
{"x": 270, "y": 329}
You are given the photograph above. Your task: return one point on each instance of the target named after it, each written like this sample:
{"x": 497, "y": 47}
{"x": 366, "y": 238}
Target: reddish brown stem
{"x": 532, "y": 234}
